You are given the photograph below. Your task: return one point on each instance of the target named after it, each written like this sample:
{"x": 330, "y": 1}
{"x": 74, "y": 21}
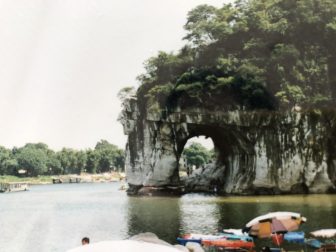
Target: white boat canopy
{"x": 325, "y": 233}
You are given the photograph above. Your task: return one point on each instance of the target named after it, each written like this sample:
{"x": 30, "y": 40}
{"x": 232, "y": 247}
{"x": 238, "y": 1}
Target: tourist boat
{"x": 13, "y": 187}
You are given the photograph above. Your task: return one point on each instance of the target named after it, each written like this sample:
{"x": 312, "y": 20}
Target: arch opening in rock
{"x": 197, "y": 153}
{"x": 201, "y": 164}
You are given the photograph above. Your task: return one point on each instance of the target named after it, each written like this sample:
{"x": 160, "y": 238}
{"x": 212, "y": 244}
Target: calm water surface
{"x": 56, "y": 217}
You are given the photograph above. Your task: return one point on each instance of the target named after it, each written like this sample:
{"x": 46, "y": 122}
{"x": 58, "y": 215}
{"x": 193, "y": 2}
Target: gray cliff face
{"x": 258, "y": 152}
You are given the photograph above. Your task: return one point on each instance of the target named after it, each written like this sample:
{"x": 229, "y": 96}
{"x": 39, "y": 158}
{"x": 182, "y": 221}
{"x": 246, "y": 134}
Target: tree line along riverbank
{"x": 37, "y": 159}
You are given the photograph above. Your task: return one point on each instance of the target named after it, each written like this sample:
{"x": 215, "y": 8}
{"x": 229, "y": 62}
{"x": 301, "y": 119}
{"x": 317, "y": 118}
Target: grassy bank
{"x": 30, "y": 180}
{"x": 104, "y": 177}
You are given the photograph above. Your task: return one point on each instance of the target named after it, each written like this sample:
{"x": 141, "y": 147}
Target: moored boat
{"x": 226, "y": 243}
{"x": 13, "y": 187}
{"x": 220, "y": 240}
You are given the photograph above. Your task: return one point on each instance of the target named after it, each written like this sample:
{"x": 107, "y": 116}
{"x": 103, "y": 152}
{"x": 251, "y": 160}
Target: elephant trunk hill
{"x": 257, "y": 152}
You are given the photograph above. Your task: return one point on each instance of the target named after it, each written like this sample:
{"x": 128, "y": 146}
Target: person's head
{"x": 85, "y": 241}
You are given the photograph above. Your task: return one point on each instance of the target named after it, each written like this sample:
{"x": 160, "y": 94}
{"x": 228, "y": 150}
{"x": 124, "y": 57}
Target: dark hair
{"x": 86, "y": 240}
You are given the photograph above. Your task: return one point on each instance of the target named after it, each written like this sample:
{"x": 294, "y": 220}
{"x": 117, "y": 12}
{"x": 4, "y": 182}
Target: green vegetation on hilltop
{"x": 254, "y": 54}
{"x": 37, "y": 159}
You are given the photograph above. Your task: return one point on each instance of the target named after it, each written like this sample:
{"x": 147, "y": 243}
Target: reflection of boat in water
{"x": 13, "y": 187}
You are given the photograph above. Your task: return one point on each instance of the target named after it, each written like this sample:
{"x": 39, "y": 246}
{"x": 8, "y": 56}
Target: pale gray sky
{"x": 62, "y": 63}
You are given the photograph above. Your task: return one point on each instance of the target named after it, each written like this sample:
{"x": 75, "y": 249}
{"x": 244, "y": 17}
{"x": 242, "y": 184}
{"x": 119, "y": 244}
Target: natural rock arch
{"x": 259, "y": 152}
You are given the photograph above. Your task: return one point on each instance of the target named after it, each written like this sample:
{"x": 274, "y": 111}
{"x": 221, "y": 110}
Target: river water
{"x": 55, "y": 217}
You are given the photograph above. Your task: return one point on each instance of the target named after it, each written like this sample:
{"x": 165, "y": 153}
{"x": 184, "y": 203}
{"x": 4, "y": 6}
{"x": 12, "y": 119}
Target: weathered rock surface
{"x": 206, "y": 179}
{"x": 258, "y": 152}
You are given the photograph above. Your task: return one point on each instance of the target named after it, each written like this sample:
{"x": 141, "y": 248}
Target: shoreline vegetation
{"x": 37, "y": 160}
{"x": 82, "y": 178}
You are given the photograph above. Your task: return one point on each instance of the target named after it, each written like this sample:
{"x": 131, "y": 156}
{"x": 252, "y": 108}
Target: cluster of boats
{"x": 222, "y": 240}
{"x": 239, "y": 241}
{"x": 277, "y": 227}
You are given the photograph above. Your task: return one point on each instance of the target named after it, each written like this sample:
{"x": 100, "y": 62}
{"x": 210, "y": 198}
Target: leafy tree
{"x": 8, "y": 164}
{"x": 92, "y": 161}
{"x": 109, "y": 156}
{"x": 68, "y": 159}
{"x": 81, "y": 157}
{"x": 53, "y": 164}
{"x": 32, "y": 159}
{"x": 11, "y": 166}
{"x": 196, "y": 154}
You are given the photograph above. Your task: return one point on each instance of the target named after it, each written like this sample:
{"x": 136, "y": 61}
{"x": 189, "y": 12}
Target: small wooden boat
{"x": 225, "y": 243}
{"x": 57, "y": 181}
{"x": 13, "y": 187}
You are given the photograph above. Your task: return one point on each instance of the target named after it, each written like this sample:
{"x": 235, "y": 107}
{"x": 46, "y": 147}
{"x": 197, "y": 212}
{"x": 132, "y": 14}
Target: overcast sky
{"x": 62, "y": 63}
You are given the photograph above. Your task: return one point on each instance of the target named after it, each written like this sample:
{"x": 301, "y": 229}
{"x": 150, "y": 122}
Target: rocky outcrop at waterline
{"x": 258, "y": 152}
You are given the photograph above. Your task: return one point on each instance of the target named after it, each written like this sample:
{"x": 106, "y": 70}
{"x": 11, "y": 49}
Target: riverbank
{"x": 82, "y": 178}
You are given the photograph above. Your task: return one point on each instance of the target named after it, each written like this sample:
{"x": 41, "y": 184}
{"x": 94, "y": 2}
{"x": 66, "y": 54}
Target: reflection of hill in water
{"x": 157, "y": 215}
{"x": 197, "y": 213}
